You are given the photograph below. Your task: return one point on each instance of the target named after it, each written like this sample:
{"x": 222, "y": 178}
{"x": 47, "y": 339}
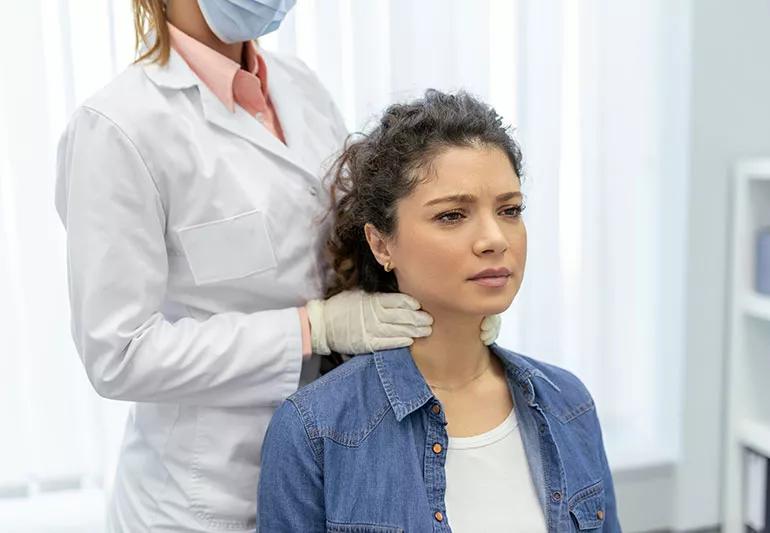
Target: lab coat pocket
{"x": 231, "y": 248}
{"x": 223, "y": 474}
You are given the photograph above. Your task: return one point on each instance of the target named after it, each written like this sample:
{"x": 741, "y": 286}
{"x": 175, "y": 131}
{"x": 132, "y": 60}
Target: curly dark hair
{"x": 377, "y": 169}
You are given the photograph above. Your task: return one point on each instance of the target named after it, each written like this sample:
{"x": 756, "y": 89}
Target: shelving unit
{"x": 747, "y": 422}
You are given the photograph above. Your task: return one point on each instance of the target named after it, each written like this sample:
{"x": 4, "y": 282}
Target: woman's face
{"x": 460, "y": 244}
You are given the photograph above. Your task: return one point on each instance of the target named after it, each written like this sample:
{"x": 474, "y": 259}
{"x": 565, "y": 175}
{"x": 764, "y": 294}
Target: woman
{"x": 190, "y": 190}
{"x": 451, "y": 433}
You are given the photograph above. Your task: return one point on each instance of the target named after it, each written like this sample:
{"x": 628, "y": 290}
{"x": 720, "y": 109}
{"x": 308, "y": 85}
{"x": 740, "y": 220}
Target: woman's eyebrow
{"x": 470, "y": 198}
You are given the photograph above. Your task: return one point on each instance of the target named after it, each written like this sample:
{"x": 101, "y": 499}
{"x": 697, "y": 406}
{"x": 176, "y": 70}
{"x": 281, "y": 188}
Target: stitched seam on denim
{"x": 400, "y": 408}
{"x": 431, "y": 467}
{"x": 546, "y": 473}
{"x": 539, "y": 374}
{"x": 519, "y": 375}
{"x": 387, "y": 385}
{"x": 583, "y": 494}
{"x": 353, "y": 440}
{"x": 353, "y": 528}
{"x": 586, "y": 524}
{"x": 522, "y": 375}
{"x": 417, "y": 402}
{"x": 343, "y": 372}
{"x": 307, "y": 419}
{"x": 574, "y": 412}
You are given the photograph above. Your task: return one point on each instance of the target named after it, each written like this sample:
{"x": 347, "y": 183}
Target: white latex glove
{"x": 490, "y": 328}
{"x": 354, "y": 322}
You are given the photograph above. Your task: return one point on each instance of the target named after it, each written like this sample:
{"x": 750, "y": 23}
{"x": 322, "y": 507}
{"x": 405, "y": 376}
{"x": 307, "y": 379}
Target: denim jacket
{"x": 353, "y": 451}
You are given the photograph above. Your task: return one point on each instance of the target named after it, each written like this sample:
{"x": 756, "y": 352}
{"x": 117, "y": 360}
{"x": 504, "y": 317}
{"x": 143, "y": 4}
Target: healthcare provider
{"x": 191, "y": 191}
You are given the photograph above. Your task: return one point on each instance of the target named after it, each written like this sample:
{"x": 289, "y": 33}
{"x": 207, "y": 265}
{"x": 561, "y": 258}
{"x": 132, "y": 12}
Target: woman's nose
{"x": 491, "y": 240}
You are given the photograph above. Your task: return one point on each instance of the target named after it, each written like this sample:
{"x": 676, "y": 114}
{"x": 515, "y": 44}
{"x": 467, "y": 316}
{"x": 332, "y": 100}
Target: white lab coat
{"x": 192, "y": 236}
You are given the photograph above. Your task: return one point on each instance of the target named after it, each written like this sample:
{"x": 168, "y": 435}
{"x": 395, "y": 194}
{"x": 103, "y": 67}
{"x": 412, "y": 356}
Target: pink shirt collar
{"x": 214, "y": 69}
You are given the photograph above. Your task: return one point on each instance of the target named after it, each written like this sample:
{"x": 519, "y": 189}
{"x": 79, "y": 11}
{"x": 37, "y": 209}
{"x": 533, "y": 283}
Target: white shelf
{"x": 747, "y": 391}
{"x": 757, "y": 305}
{"x": 755, "y": 435}
{"x": 754, "y": 168}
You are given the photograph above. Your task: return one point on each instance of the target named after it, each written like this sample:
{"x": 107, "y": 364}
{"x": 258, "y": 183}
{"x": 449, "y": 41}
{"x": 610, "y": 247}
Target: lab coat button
{"x": 313, "y": 191}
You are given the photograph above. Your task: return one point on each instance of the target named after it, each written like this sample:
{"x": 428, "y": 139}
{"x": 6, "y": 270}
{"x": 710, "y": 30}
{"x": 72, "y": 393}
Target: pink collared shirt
{"x": 228, "y": 80}
{"x": 234, "y": 85}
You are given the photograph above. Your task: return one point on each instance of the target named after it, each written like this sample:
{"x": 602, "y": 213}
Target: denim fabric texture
{"x": 353, "y": 451}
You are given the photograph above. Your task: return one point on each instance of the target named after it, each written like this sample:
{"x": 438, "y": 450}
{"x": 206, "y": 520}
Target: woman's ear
{"x": 377, "y": 244}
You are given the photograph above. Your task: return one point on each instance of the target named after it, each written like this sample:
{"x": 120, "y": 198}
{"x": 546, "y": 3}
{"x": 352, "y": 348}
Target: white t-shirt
{"x": 488, "y": 484}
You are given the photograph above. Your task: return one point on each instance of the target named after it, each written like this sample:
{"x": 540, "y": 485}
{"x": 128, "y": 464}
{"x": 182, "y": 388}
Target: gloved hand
{"x": 490, "y": 328}
{"x": 354, "y": 322}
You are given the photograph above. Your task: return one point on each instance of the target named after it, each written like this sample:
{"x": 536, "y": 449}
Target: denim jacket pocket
{"x": 335, "y": 527}
{"x": 587, "y": 507}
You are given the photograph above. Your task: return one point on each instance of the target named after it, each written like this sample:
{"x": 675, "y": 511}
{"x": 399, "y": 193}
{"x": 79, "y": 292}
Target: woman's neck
{"x": 453, "y": 353}
{"x": 187, "y": 17}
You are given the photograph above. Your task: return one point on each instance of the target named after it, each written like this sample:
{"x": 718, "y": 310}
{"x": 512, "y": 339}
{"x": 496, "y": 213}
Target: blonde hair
{"x": 150, "y": 23}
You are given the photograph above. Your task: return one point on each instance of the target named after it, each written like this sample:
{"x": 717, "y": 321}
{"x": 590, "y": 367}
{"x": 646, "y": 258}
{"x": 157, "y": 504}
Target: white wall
{"x": 730, "y": 118}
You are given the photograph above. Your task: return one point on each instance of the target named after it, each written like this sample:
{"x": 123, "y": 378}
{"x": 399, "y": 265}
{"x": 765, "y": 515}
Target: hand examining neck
{"x": 186, "y": 16}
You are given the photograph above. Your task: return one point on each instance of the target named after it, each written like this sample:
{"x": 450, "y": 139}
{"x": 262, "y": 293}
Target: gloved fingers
{"x": 396, "y": 300}
{"x": 403, "y": 316}
{"x": 390, "y": 343}
{"x": 400, "y": 330}
{"x": 490, "y": 329}
{"x": 491, "y": 322}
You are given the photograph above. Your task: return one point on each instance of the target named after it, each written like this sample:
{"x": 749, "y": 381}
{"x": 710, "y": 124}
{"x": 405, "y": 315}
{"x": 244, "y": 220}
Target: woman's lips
{"x": 492, "y": 281}
{"x": 492, "y": 277}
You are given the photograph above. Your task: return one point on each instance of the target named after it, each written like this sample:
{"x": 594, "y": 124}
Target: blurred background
{"x": 643, "y": 123}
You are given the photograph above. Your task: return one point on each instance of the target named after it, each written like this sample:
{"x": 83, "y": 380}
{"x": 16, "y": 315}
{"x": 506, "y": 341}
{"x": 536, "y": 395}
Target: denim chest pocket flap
{"x": 568, "y": 404}
{"x": 587, "y": 507}
{"x": 231, "y": 248}
{"x": 335, "y": 527}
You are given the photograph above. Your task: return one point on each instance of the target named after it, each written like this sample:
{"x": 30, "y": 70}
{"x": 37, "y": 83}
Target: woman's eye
{"x": 513, "y": 211}
{"x": 450, "y": 217}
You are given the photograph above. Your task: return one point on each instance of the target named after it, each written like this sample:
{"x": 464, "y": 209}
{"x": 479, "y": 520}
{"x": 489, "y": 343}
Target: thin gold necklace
{"x": 458, "y": 387}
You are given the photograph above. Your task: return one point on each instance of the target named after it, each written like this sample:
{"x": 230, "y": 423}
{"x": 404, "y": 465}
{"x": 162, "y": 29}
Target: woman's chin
{"x": 487, "y": 308}
{"x": 491, "y": 304}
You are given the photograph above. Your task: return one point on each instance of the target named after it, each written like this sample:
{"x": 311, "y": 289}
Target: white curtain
{"x": 597, "y": 92}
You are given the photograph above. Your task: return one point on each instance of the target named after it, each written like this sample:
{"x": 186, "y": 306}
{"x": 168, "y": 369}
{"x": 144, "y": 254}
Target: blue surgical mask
{"x": 235, "y": 21}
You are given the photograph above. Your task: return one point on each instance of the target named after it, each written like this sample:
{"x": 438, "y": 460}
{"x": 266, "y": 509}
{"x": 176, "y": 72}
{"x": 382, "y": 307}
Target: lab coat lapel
{"x": 178, "y": 75}
{"x": 289, "y": 104}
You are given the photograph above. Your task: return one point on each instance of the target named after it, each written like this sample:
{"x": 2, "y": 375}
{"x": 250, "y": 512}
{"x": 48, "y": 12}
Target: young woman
{"x": 190, "y": 190}
{"x": 450, "y": 434}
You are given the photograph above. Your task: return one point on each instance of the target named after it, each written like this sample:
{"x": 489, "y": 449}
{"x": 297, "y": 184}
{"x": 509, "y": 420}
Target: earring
{"x": 388, "y": 267}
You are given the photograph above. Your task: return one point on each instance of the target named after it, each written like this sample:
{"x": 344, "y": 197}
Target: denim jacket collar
{"x": 407, "y": 390}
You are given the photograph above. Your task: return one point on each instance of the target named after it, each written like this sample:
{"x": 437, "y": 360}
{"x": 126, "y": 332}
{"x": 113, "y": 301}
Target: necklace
{"x": 458, "y": 387}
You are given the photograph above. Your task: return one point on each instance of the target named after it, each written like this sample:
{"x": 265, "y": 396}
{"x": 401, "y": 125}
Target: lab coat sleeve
{"x": 118, "y": 267}
{"x": 291, "y": 493}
